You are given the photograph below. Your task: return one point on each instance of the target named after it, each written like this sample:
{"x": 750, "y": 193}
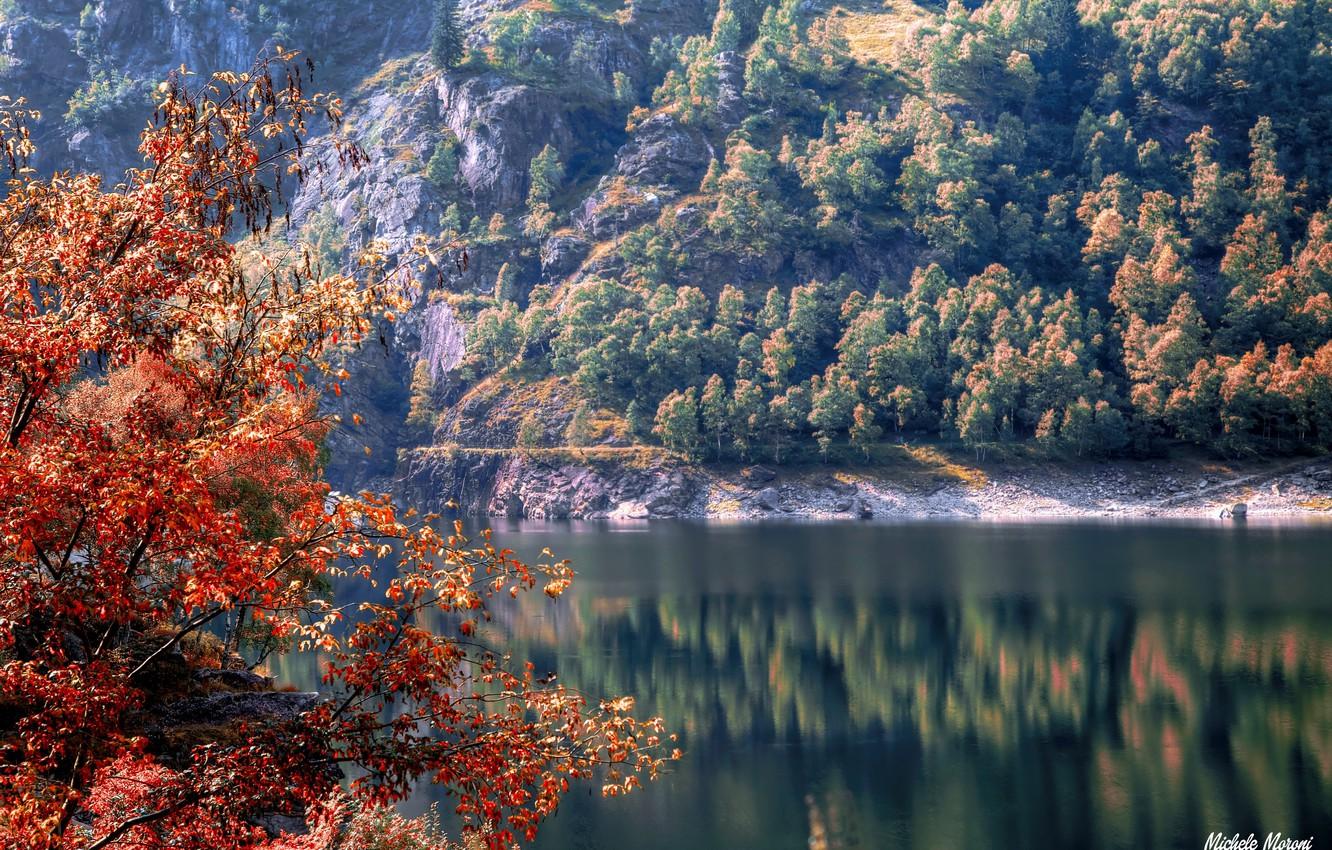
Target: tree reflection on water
{"x": 950, "y": 685}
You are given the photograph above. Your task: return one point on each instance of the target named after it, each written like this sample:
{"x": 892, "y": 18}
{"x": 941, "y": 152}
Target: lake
{"x": 948, "y": 684}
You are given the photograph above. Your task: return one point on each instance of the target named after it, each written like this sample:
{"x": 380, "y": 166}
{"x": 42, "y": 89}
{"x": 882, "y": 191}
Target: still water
{"x": 950, "y": 685}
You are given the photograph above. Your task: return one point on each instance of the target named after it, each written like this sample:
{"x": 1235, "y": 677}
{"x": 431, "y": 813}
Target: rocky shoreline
{"x": 599, "y": 487}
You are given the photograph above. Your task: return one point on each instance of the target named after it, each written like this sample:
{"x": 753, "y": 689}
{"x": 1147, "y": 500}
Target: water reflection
{"x": 949, "y": 685}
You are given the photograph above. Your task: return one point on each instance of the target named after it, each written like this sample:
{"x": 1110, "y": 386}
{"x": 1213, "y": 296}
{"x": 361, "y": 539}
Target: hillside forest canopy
{"x": 1114, "y": 216}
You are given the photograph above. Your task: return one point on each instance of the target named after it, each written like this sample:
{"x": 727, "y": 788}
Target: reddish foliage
{"x": 159, "y": 473}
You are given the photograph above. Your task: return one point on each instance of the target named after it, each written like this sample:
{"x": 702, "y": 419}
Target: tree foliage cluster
{"x": 163, "y": 510}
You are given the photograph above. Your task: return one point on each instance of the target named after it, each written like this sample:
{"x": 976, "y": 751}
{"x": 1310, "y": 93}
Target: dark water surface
{"x": 950, "y": 685}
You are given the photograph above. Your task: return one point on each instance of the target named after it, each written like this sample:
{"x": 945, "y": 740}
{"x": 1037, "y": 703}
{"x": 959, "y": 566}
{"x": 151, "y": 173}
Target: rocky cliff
{"x": 90, "y": 66}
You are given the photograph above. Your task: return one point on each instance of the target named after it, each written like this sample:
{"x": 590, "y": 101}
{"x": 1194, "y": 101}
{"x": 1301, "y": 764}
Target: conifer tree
{"x": 420, "y": 412}
{"x": 579, "y": 430}
{"x": 446, "y": 35}
{"x": 715, "y": 407}
{"x": 677, "y": 420}
{"x": 530, "y": 432}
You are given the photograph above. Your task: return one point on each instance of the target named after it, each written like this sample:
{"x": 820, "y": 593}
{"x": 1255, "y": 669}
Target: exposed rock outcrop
{"x": 543, "y": 487}
{"x": 222, "y": 708}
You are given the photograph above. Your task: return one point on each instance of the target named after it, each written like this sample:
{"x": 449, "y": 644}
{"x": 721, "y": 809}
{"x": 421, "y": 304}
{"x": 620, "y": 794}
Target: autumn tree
{"x": 160, "y": 479}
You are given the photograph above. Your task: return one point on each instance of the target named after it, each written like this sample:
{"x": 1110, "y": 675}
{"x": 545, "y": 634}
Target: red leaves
{"x": 160, "y": 481}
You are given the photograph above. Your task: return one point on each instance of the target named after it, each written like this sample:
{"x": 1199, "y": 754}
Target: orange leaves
{"x": 160, "y": 481}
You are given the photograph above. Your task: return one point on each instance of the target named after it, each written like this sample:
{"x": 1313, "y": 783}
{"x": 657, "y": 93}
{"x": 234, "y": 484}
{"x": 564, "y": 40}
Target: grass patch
{"x": 642, "y": 456}
{"x": 396, "y": 75}
{"x": 945, "y": 466}
{"x": 876, "y": 31}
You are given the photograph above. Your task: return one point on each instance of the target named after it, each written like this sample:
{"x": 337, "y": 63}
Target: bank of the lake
{"x": 643, "y": 484}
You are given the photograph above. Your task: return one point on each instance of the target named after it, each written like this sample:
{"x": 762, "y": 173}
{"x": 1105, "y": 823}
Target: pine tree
{"x": 547, "y": 172}
{"x": 715, "y": 407}
{"x": 1077, "y": 430}
{"x": 420, "y": 411}
{"x": 446, "y": 35}
{"x": 677, "y": 420}
{"x": 1267, "y": 193}
{"x": 748, "y": 407}
{"x": 832, "y": 408}
{"x": 773, "y": 314}
{"x": 579, "y": 430}
{"x": 530, "y": 431}
{"x": 504, "y": 283}
{"x": 639, "y": 423}
{"x": 1210, "y": 207}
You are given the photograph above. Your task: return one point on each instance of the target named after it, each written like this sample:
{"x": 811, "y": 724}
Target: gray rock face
{"x": 146, "y": 39}
{"x": 518, "y": 486}
{"x": 662, "y": 153}
{"x": 617, "y": 208}
{"x": 561, "y": 256}
{"x": 574, "y": 491}
{"x": 236, "y": 679}
{"x": 769, "y": 498}
{"x": 757, "y": 476}
{"x": 660, "y": 161}
{"x": 264, "y": 706}
{"x": 730, "y": 88}
{"x": 501, "y": 125}
{"x": 443, "y": 340}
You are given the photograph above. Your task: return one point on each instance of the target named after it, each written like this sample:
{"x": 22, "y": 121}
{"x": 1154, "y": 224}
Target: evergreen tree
{"x": 833, "y": 405}
{"x": 1211, "y": 206}
{"x": 446, "y": 35}
{"x": 578, "y": 432}
{"x": 715, "y": 408}
{"x": 504, "y": 283}
{"x": 1078, "y": 429}
{"x": 747, "y": 411}
{"x": 1267, "y": 195}
{"x": 546, "y": 173}
{"x": 530, "y": 431}
{"x": 443, "y": 165}
{"x": 421, "y": 408}
{"x": 639, "y": 423}
{"x": 677, "y": 420}
{"x": 773, "y": 314}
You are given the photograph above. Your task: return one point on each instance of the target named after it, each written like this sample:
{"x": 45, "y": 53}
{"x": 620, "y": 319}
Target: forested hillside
{"x": 1101, "y": 226}
{"x": 761, "y": 230}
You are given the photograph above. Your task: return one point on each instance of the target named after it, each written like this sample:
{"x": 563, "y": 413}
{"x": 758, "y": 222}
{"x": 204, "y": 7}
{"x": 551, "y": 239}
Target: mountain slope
{"x": 746, "y": 230}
